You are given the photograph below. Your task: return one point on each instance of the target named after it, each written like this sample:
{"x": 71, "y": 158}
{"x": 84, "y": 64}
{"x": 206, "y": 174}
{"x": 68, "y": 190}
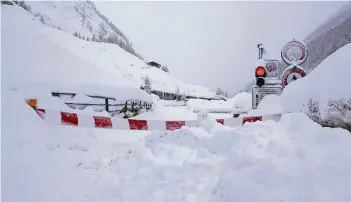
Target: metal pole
{"x": 260, "y": 51}
{"x": 106, "y": 104}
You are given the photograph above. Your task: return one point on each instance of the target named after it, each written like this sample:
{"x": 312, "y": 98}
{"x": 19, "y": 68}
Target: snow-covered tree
{"x": 147, "y": 81}
{"x": 339, "y": 113}
{"x": 165, "y": 68}
{"x": 177, "y": 91}
{"x": 89, "y": 26}
{"x": 226, "y": 95}
{"x": 24, "y": 5}
{"x": 101, "y": 38}
{"x": 314, "y": 110}
{"x": 93, "y": 38}
{"x": 219, "y": 91}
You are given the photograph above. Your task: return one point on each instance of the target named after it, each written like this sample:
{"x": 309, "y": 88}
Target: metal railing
{"x": 127, "y": 105}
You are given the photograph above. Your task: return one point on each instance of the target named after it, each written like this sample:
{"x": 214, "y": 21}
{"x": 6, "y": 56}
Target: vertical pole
{"x": 106, "y": 104}
{"x": 260, "y": 51}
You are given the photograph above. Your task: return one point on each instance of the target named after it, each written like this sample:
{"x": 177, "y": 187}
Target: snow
{"x": 260, "y": 62}
{"x": 326, "y": 82}
{"x": 70, "y": 16}
{"x": 241, "y": 100}
{"x": 270, "y": 104}
{"x": 292, "y": 160}
{"x": 98, "y": 63}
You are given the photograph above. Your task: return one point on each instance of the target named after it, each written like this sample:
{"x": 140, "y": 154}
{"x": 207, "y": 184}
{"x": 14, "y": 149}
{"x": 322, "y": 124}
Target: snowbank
{"x": 241, "y": 100}
{"x": 161, "y": 112}
{"x": 329, "y": 81}
{"x": 270, "y": 104}
{"x": 49, "y": 163}
{"x": 293, "y": 160}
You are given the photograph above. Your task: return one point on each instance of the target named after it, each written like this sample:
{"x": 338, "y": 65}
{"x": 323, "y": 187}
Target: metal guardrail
{"x": 128, "y": 105}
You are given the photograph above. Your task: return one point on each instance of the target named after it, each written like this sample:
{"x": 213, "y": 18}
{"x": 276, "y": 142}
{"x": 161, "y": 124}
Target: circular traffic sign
{"x": 292, "y": 73}
{"x": 294, "y": 52}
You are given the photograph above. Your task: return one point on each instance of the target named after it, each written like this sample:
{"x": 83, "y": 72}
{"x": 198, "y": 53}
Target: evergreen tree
{"x": 219, "y": 91}
{"x": 166, "y": 69}
{"x": 147, "y": 81}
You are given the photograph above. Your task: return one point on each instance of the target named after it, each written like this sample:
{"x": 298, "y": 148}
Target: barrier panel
{"x": 84, "y": 120}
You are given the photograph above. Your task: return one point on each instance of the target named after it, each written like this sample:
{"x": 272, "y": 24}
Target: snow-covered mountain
{"x": 62, "y": 61}
{"x": 82, "y": 19}
{"x": 332, "y": 35}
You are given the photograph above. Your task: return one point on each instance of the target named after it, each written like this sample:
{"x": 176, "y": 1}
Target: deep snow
{"x": 63, "y": 61}
{"x": 291, "y": 160}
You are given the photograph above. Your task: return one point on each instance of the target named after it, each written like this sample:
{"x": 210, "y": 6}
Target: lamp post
{"x": 260, "y": 50}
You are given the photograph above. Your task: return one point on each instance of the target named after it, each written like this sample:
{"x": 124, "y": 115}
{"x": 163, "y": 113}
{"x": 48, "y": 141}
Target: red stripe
{"x": 221, "y": 121}
{"x": 69, "y": 118}
{"x": 173, "y": 125}
{"x": 40, "y": 112}
{"x": 102, "y": 122}
{"x": 252, "y": 119}
{"x": 137, "y": 124}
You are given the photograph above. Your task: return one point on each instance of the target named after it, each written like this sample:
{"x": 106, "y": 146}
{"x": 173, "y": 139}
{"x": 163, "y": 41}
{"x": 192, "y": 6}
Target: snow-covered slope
{"x": 35, "y": 60}
{"x": 80, "y": 18}
{"x": 61, "y": 58}
{"x": 329, "y": 81}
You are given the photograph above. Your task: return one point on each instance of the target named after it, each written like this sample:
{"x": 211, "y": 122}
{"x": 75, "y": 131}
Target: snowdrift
{"x": 329, "y": 81}
{"x": 240, "y": 101}
{"x": 293, "y": 160}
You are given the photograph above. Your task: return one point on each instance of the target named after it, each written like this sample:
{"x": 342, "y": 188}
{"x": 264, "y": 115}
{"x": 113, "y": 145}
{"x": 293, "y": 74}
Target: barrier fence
{"x": 84, "y": 120}
{"x": 109, "y": 104}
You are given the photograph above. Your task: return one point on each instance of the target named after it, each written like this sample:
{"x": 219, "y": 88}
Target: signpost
{"x": 258, "y": 93}
{"x": 294, "y": 53}
{"x": 292, "y": 73}
{"x": 268, "y": 81}
{"x": 272, "y": 67}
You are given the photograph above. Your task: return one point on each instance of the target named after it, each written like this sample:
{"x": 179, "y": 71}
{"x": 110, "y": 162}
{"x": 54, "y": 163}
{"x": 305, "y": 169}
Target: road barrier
{"x": 91, "y": 121}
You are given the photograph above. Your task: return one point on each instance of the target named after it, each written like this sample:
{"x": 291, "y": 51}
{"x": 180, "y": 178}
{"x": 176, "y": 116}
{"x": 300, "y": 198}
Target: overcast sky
{"x": 214, "y": 43}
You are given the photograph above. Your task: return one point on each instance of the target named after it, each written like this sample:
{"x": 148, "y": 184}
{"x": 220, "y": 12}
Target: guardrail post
{"x": 106, "y": 105}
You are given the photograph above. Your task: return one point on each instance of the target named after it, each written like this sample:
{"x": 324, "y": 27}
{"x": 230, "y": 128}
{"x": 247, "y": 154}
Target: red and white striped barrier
{"x": 83, "y": 120}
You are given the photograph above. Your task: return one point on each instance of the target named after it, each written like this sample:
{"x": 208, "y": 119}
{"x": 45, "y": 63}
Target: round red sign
{"x": 294, "y": 52}
{"x": 292, "y": 74}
